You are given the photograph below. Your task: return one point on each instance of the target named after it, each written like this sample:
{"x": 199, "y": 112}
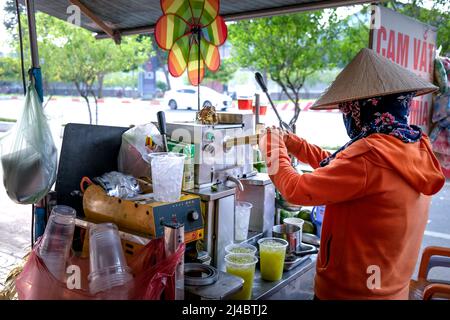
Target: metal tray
{"x": 306, "y": 249}
{"x": 294, "y": 259}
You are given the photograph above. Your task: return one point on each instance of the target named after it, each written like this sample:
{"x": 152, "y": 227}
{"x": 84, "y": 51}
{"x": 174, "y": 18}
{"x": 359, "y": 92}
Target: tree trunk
{"x": 166, "y": 74}
{"x": 296, "y": 115}
{"x": 297, "y": 110}
{"x": 86, "y": 98}
{"x": 162, "y": 58}
{"x": 100, "y": 79}
{"x": 84, "y": 94}
{"x": 96, "y": 106}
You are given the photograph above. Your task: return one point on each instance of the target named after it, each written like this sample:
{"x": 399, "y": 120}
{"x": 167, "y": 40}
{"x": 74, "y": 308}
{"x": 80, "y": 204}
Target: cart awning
{"x": 114, "y": 18}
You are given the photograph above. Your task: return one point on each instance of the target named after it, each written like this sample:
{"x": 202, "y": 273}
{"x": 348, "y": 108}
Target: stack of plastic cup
{"x": 57, "y": 240}
{"x": 108, "y": 267}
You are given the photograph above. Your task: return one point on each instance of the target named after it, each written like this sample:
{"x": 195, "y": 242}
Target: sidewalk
{"x": 15, "y": 233}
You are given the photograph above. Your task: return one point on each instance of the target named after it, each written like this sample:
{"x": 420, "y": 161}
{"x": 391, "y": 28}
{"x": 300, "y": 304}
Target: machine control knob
{"x": 209, "y": 148}
{"x": 193, "y": 215}
{"x": 209, "y": 136}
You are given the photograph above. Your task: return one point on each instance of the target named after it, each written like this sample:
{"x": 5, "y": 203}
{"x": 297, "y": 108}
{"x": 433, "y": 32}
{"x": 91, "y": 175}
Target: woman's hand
{"x": 272, "y": 137}
{"x": 272, "y": 148}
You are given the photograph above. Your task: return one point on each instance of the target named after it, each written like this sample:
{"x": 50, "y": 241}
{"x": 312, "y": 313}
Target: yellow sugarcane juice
{"x": 272, "y": 252}
{"x": 242, "y": 265}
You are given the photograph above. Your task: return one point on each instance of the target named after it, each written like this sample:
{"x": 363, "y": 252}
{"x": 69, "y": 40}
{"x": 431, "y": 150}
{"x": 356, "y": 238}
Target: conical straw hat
{"x": 369, "y": 75}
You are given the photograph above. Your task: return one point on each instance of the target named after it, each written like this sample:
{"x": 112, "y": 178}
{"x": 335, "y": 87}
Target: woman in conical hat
{"x": 376, "y": 188}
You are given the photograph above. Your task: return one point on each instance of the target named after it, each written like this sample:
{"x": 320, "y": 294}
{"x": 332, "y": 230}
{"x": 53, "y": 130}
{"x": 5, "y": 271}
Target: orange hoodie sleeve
{"x": 343, "y": 179}
{"x": 305, "y": 152}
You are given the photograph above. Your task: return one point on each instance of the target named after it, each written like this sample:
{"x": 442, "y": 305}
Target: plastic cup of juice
{"x": 242, "y": 265}
{"x": 272, "y": 252}
{"x": 240, "y": 248}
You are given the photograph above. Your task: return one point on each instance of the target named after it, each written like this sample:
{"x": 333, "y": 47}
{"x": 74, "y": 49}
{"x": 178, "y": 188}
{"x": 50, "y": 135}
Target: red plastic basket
{"x": 245, "y": 104}
{"x": 262, "y": 110}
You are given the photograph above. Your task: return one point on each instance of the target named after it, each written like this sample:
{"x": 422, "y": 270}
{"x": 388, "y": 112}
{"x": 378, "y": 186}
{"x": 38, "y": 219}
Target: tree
{"x": 9, "y": 69}
{"x": 10, "y": 19}
{"x": 228, "y": 68}
{"x": 289, "y": 48}
{"x": 438, "y": 16}
{"x": 161, "y": 56}
{"x": 353, "y": 34}
{"x": 84, "y": 60}
{"x": 122, "y": 79}
{"x": 71, "y": 54}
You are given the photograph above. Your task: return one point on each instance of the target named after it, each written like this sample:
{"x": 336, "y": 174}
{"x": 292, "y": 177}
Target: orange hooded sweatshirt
{"x": 377, "y": 195}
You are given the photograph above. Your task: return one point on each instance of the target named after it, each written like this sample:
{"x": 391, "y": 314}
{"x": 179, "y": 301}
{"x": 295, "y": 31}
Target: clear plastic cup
{"x": 108, "y": 267}
{"x": 242, "y": 265}
{"x": 167, "y": 175}
{"x": 272, "y": 252}
{"x": 240, "y": 248}
{"x": 56, "y": 243}
{"x": 242, "y": 220}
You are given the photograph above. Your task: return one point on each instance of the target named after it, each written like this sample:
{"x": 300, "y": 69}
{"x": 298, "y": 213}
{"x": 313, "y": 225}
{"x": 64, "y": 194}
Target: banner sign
{"x": 411, "y": 44}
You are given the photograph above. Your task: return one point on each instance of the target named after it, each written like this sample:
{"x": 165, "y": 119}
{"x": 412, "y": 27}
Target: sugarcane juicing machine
{"x": 223, "y": 174}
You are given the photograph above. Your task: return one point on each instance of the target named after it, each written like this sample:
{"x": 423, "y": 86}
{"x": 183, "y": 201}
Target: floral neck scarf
{"x": 386, "y": 114}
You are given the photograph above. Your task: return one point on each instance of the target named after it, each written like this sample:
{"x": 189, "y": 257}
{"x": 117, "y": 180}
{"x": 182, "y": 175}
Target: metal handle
{"x": 161, "y": 122}
{"x": 239, "y": 141}
{"x": 261, "y": 83}
{"x": 238, "y": 182}
{"x": 259, "y": 78}
{"x": 162, "y": 129}
{"x": 173, "y": 238}
{"x": 257, "y": 109}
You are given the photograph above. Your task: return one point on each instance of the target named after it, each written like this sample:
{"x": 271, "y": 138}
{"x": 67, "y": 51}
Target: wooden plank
{"x": 115, "y": 35}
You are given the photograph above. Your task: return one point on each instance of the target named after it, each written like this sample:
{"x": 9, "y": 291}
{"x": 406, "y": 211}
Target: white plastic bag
{"x": 28, "y": 154}
{"x": 137, "y": 142}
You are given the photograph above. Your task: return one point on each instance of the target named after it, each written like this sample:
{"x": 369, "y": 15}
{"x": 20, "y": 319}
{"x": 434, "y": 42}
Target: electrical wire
{"x": 22, "y": 63}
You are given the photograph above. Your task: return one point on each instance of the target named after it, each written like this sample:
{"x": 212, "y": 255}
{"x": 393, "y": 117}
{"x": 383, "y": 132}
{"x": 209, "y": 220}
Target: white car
{"x": 186, "y": 98}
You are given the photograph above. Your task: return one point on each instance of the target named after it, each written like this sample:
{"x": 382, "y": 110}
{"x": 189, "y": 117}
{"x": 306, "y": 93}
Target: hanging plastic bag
{"x": 154, "y": 277}
{"x": 137, "y": 142}
{"x": 28, "y": 154}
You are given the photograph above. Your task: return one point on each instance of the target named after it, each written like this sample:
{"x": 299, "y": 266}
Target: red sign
{"x": 410, "y": 44}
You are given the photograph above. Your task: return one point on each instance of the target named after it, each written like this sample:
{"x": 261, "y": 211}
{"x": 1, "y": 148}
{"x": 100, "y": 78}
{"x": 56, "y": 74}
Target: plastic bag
{"x": 119, "y": 185}
{"x": 137, "y": 142}
{"x": 29, "y": 155}
{"x": 441, "y": 107}
{"x": 440, "y": 75}
{"x": 154, "y": 277}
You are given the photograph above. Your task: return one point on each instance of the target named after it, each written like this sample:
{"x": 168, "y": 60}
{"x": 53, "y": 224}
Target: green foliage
{"x": 121, "y": 79}
{"x": 228, "y": 68}
{"x": 353, "y": 34}
{"x": 71, "y": 54}
{"x": 9, "y": 69}
{"x": 10, "y": 18}
{"x": 161, "y": 85}
{"x": 438, "y": 16}
{"x": 289, "y": 48}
